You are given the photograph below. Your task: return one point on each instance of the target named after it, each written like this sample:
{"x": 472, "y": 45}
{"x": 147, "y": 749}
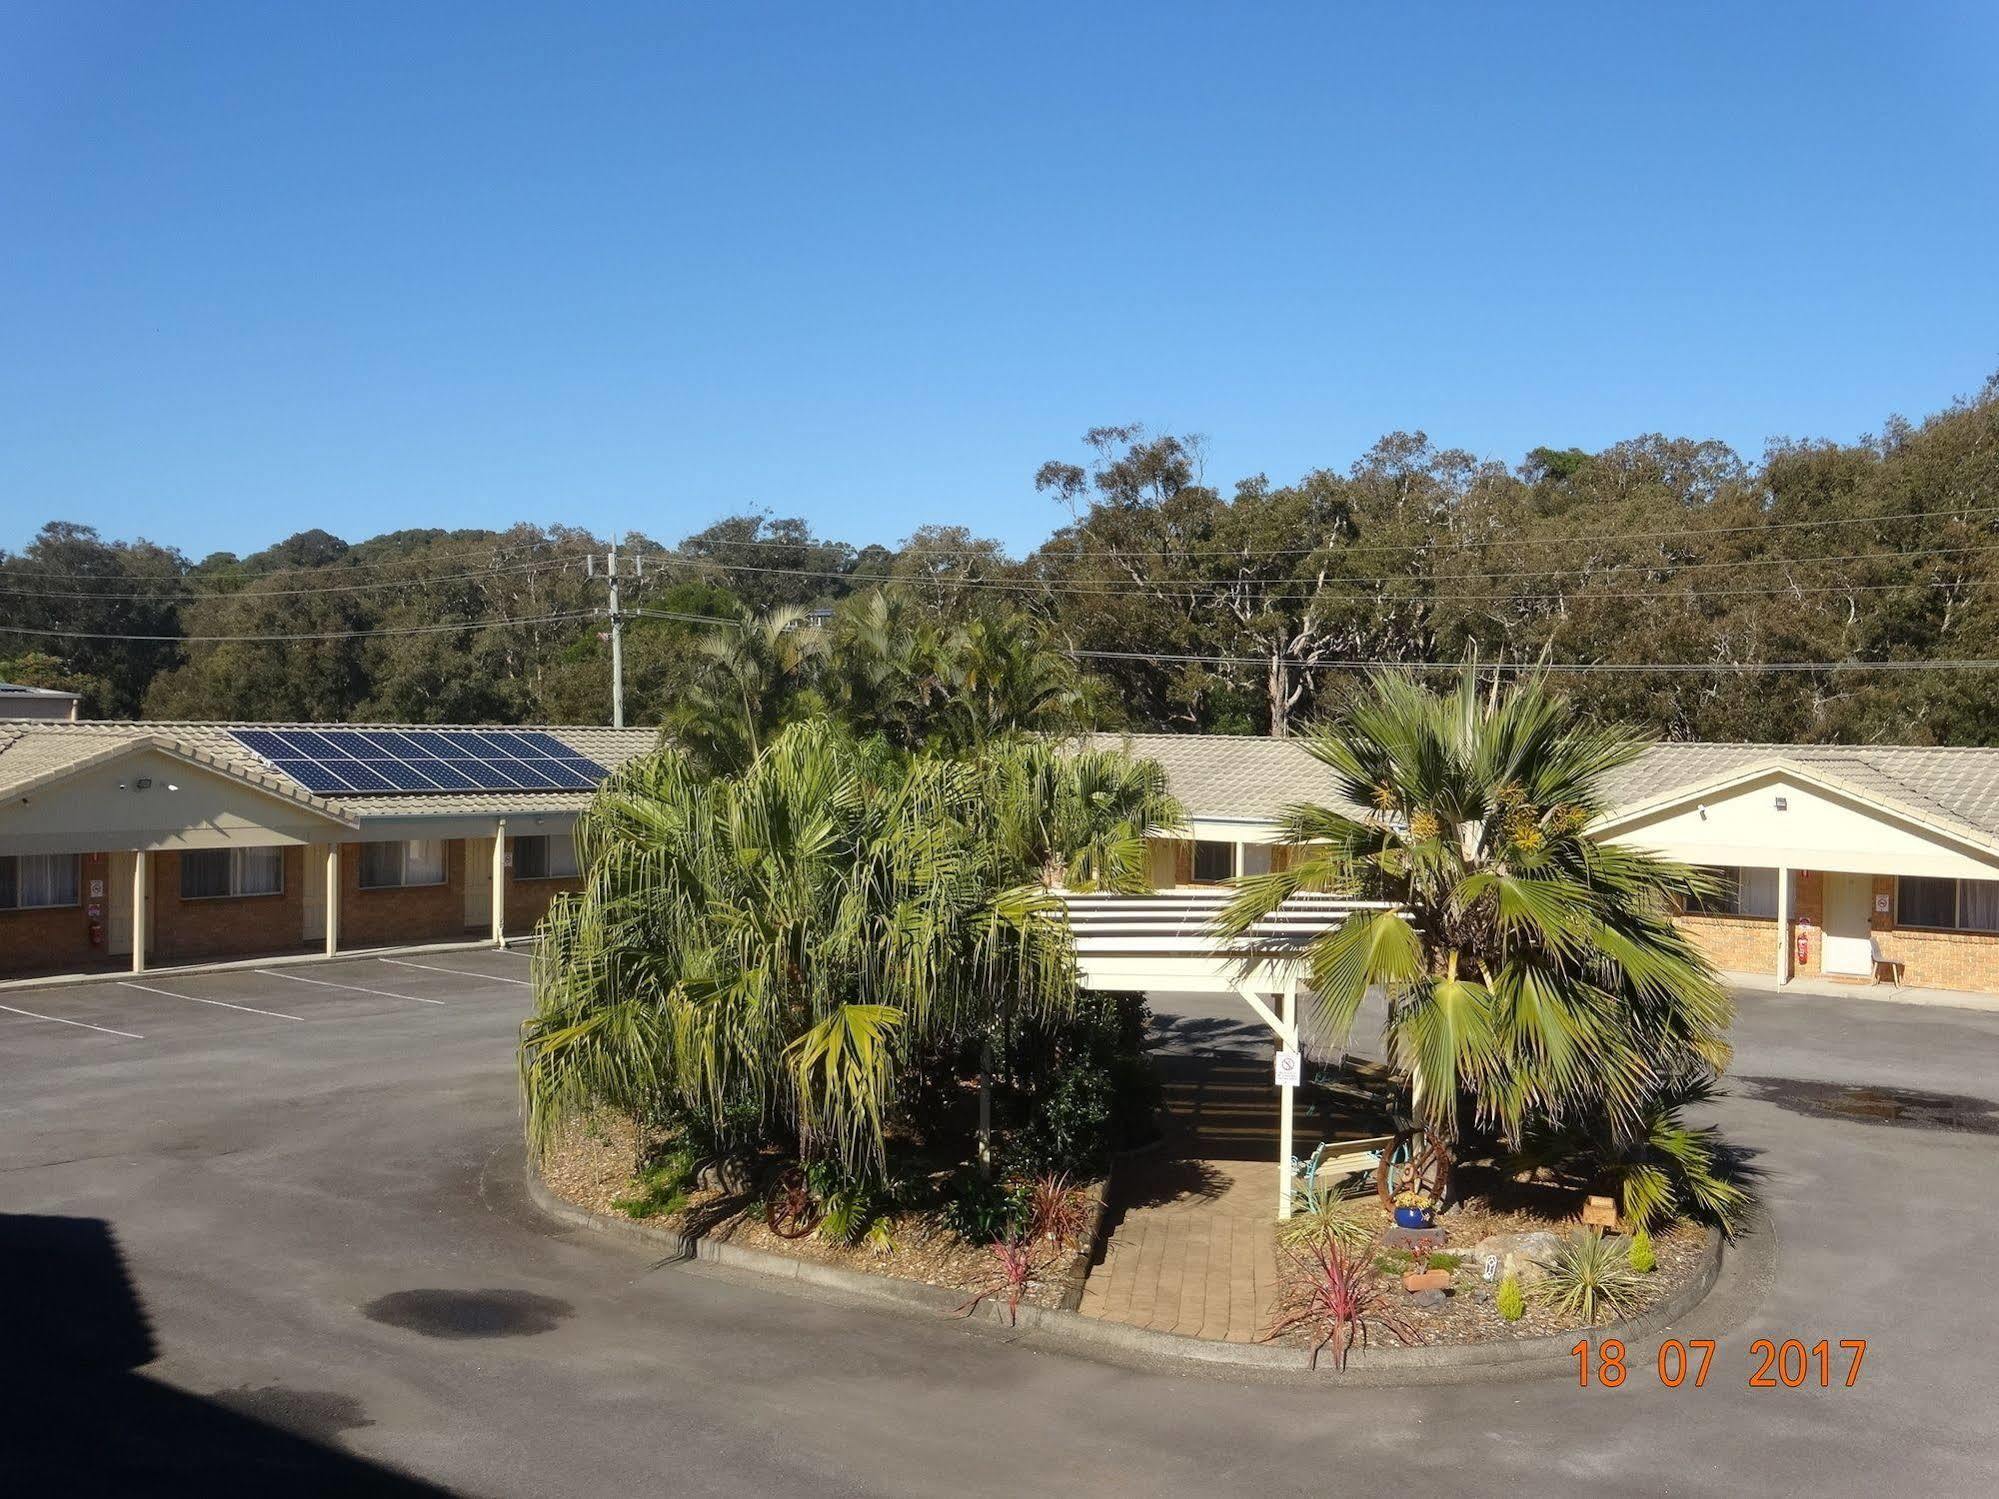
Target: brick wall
{"x": 1935, "y": 960}
{"x": 54, "y": 939}
{"x": 224, "y": 926}
{"x": 1735, "y": 944}
{"x": 415, "y": 913}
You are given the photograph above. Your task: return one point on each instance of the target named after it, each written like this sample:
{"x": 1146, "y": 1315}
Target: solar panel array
{"x": 381, "y": 762}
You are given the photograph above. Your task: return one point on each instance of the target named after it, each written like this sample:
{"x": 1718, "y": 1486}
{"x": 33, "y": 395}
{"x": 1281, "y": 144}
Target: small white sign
{"x": 1290, "y": 1069}
{"x": 97, "y": 889}
{"x": 1882, "y": 901}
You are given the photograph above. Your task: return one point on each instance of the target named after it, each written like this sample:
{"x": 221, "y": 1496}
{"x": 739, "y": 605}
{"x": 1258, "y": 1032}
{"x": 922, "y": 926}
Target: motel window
{"x": 35, "y": 881}
{"x": 1213, "y": 862}
{"x": 1744, "y": 892}
{"x": 208, "y": 873}
{"x": 544, "y": 857}
{"x": 1952, "y": 905}
{"x": 387, "y": 866}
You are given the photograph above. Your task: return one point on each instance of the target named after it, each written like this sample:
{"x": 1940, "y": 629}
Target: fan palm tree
{"x": 788, "y": 942}
{"x": 1533, "y": 975}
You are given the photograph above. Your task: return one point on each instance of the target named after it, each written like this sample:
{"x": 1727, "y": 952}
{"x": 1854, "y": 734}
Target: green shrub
{"x": 1511, "y": 1300}
{"x": 1643, "y": 1260}
{"x": 1591, "y": 1275}
{"x": 1071, "y": 1127}
{"x": 983, "y": 1210}
{"x": 1443, "y": 1260}
{"x": 1351, "y": 1225}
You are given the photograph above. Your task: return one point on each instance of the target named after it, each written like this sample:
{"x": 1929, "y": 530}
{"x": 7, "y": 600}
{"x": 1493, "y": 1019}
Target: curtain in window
{"x": 381, "y": 865}
{"x": 1922, "y": 901}
{"x": 1978, "y": 905}
{"x": 261, "y": 871}
{"x": 45, "y": 880}
{"x": 204, "y": 872}
{"x": 531, "y": 858}
{"x": 1213, "y": 861}
{"x": 562, "y": 861}
{"x": 1756, "y": 894}
{"x": 423, "y": 862}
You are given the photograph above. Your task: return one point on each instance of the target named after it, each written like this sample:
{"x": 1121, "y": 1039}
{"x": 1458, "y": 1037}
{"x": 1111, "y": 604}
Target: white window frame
{"x": 238, "y": 862}
{"x": 402, "y": 846}
{"x": 75, "y": 884}
{"x": 1235, "y": 860}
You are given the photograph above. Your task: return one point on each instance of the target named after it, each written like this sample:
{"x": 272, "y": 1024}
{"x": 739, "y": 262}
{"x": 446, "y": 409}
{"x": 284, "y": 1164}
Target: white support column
{"x": 332, "y": 899}
{"x": 500, "y": 883}
{"x": 142, "y": 880}
{"x": 1783, "y": 926}
{"x": 1286, "y": 1098}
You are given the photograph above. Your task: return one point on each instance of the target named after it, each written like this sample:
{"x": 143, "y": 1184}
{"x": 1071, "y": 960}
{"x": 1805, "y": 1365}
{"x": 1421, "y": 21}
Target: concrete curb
{"x": 1526, "y": 1358}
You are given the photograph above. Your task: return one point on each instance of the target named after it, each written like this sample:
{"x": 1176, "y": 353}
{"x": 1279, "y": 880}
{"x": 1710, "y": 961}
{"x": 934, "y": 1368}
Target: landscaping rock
{"x": 1415, "y": 1240}
{"x": 1539, "y": 1247}
{"x": 1427, "y": 1298}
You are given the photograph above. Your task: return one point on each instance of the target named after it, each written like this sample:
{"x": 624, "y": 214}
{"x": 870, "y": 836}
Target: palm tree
{"x": 748, "y": 682}
{"x": 789, "y": 942}
{"x": 1534, "y": 976}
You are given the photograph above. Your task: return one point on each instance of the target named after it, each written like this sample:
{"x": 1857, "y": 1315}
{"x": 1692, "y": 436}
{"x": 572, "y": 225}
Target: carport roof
{"x": 33, "y": 754}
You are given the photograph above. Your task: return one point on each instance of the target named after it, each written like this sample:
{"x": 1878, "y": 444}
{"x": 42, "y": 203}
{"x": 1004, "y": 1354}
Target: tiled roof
{"x": 31, "y": 752}
{"x": 1230, "y": 775}
{"x": 1223, "y": 775}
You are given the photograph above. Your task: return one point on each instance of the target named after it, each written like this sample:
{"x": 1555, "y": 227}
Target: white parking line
{"x": 86, "y": 1025}
{"x": 299, "y": 978}
{"x": 219, "y": 1003}
{"x": 456, "y": 972}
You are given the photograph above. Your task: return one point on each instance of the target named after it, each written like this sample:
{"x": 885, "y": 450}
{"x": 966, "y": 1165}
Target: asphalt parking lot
{"x": 269, "y": 1236}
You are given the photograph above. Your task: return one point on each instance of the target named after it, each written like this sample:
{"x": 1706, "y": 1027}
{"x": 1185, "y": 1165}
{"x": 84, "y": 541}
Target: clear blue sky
{"x": 264, "y": 267}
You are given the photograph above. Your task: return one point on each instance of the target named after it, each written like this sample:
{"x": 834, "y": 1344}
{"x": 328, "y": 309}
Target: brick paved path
{"x": 1194, "y": 1247}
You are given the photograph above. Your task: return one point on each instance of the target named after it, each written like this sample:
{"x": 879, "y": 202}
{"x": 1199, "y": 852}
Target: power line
{"x": 1506, "y": 540}
{"x": 415, "y": 580}
{"x": 432, "y": 629}
{"x": 1548, "y": 666}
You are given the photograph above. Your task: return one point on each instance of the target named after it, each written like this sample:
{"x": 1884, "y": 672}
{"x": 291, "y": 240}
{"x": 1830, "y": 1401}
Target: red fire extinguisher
{"x": 1804, "y": 946}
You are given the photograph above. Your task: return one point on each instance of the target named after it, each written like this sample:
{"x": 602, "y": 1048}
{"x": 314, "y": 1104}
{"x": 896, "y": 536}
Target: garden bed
{"x": 1469, "y": 1312}
{"x": 590, "y": 1165}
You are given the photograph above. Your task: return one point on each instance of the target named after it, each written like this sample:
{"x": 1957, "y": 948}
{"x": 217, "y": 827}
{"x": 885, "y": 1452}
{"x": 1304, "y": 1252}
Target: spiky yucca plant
{"x": 1532, "y": 973}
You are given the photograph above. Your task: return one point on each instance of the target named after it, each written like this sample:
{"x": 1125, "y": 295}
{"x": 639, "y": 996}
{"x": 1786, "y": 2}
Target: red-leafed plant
{"x": 1055, "y": 1210}
{"x": 1014, "y": 1266}
{"x": 1340, "y": 1296}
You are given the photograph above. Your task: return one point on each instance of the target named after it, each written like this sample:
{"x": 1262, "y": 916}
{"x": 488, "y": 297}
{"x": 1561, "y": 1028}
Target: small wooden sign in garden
{"x": 1599, "y": 1212}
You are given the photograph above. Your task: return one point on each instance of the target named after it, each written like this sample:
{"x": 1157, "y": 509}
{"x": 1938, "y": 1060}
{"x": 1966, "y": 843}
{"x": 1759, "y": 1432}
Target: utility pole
{"x": 617, "y": 618}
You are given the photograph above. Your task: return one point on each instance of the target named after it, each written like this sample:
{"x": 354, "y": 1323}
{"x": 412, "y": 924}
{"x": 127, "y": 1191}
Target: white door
{"x": 1849, "y": 948}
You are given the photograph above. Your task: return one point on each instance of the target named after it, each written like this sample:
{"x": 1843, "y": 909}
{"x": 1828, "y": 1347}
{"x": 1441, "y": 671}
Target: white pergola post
{"x": 500, "y": 883}
{"x": 1783, "y": 925}
{"x": 332, "y": 899}
{"x": 142, "y": 881}
{"x": 1286, "y": 1098}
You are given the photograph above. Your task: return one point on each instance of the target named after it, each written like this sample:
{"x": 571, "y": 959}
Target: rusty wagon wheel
{"x": 789, "y": 1207}
{"x": 1417, "y": 1162}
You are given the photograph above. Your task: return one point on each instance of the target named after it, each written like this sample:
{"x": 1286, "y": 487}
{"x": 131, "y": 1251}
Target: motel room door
{"x": 1849, "y": 948}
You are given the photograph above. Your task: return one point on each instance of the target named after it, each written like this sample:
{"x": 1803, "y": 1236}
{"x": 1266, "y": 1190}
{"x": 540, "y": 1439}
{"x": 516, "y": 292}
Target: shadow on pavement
{"x": 82, "y": 1421}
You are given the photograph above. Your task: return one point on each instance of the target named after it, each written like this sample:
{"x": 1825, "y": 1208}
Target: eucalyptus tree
{"x": 791, "y": 943}
{"x": 1534, "y": 977}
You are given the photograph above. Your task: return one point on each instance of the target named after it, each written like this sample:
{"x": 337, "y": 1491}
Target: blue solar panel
{"x": 381, "y": 761}
{"x": 311, "y": 775}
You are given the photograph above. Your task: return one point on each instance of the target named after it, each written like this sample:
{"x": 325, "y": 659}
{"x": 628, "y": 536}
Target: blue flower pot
{"x": 1412, "y": 1217}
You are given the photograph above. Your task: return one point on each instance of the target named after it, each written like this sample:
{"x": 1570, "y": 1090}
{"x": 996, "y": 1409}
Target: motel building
{"x": 125, "y": 846}
{"x": 1870, "y": 866}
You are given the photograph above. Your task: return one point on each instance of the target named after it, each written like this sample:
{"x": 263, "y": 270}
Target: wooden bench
{"x": 1333, "y": 1161}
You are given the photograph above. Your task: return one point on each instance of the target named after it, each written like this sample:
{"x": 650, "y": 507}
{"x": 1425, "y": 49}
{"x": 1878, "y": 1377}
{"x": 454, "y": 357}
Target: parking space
{"x": 164, "y": 1008}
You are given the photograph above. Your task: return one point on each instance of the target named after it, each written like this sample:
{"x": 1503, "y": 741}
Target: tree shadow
{"x": 85, "y": 1422}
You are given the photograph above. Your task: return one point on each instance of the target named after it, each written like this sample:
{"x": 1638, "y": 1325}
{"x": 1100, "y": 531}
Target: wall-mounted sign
{"x": 97, "y": 889}
{"x": 1290, "y": 1069}
{"x": 1883, "y": 902}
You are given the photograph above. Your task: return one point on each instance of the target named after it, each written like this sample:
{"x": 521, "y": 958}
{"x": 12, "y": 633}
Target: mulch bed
{"x": 591, "y": 1163}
